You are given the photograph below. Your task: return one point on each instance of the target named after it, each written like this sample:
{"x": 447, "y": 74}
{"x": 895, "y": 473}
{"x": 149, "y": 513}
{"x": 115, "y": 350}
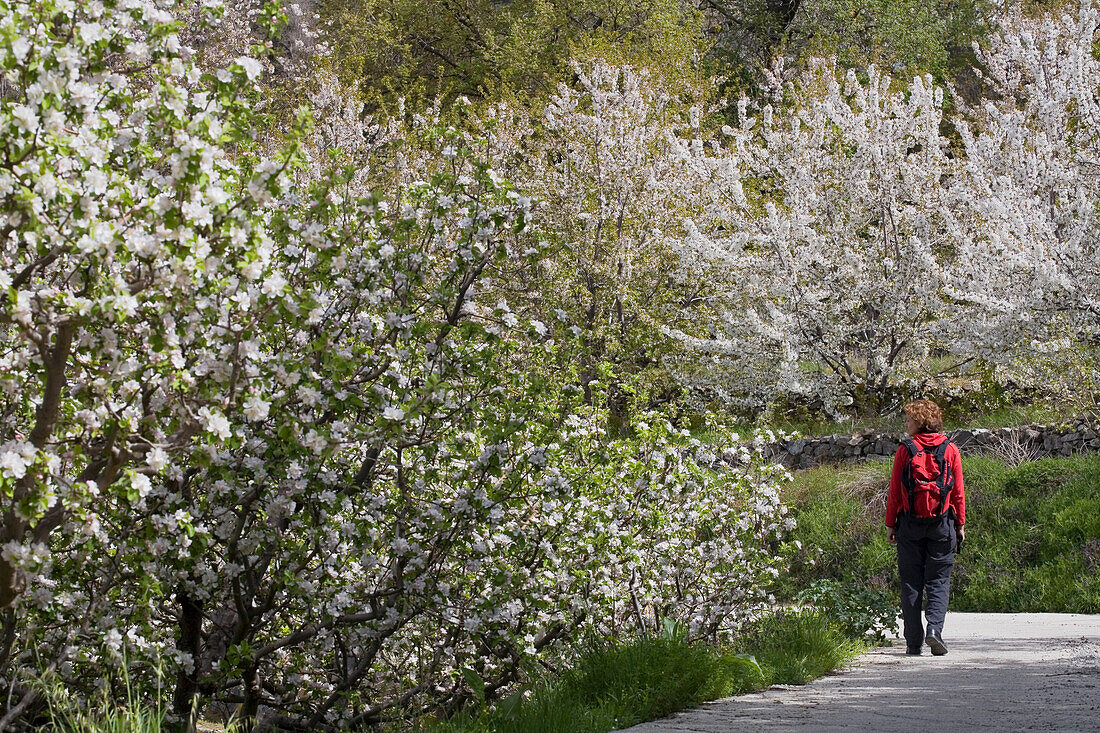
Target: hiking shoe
{"x": 912, "y": 651}
{"x": 935, "y": 642}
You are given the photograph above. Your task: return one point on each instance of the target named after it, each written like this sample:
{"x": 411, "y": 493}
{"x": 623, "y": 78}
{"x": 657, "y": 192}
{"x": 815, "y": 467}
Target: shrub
{"x": 859, "y": 611}
{"x": 288, "y": 435}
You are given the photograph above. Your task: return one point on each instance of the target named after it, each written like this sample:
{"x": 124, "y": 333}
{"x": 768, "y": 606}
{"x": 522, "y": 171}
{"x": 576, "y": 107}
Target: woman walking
{"x": 925, "y": 514}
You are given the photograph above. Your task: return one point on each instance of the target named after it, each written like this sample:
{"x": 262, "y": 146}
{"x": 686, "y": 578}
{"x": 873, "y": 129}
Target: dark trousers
{"x": 926, "y": 552}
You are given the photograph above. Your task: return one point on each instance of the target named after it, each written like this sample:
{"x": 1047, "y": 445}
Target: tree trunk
{"x": 250, "y": 709}
{"x": 618, "y": 406}
{"x": 190, "y": 623}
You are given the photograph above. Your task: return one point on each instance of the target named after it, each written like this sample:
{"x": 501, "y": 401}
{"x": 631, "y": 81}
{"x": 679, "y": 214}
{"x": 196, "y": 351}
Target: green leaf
{"x": 673, "y": 630}
{"x": 476, "y": 683}
{"x": 746, "y": 661}
{"x": 510, "y": 705}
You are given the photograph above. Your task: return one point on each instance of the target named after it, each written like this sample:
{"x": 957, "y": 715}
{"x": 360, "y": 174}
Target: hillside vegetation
{"x": 1032, "y": 542}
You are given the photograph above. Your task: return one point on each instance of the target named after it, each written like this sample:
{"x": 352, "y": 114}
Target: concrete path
{"x": 1003, "y": 672}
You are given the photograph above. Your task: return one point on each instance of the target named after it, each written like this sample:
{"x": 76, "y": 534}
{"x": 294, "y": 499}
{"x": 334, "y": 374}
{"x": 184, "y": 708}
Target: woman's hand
{"x": 891, "y": 535}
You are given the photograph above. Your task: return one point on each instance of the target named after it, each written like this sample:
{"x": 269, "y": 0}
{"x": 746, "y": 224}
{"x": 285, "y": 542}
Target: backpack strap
{"x": 946, "y": 480}
{"x": 907, "y": 476}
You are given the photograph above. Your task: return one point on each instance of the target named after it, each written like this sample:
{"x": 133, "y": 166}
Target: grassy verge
{"x": 1033, "y": 533}
{"x": 616, "y": 685}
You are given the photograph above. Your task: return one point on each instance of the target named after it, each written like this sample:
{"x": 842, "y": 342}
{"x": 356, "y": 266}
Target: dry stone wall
{"x": 1023, "y": 442}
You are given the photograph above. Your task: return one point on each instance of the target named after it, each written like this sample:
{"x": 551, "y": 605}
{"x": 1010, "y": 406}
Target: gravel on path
{"x": 1003, "y": 672}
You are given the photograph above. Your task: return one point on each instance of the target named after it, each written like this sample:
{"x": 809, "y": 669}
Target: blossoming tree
{"x": 1033, "y": 169}
{"x": 618, "y": 165}
{"x": 856, "y": 260}
{"x": 282, "y": 438}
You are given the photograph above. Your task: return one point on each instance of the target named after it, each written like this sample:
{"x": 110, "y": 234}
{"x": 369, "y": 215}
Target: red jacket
{"x": 897, "y": 499}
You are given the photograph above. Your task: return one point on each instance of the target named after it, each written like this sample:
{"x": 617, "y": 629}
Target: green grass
{"x": 839, "y": 523}
{"x": 104, "y": 717}
{"x": 1033, "y": 533}
{"x": 794, "y": 648}
{"x": 1010, "y": 416}
{"x": 618, "y": 684}
{"x": 1033, "y": 538}
{"x": 69, "y": 711}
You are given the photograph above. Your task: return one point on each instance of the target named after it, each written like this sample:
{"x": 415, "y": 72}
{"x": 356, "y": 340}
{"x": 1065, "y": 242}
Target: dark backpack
{"x": 927, "y": 480}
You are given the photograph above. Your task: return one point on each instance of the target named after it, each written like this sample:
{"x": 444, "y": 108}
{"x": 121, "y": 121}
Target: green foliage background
{"x": 520, "y": 49}
{"x": 511, "y": 49}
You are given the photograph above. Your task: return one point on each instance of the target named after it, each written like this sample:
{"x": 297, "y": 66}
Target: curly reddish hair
{"x": 926, "y": 414}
